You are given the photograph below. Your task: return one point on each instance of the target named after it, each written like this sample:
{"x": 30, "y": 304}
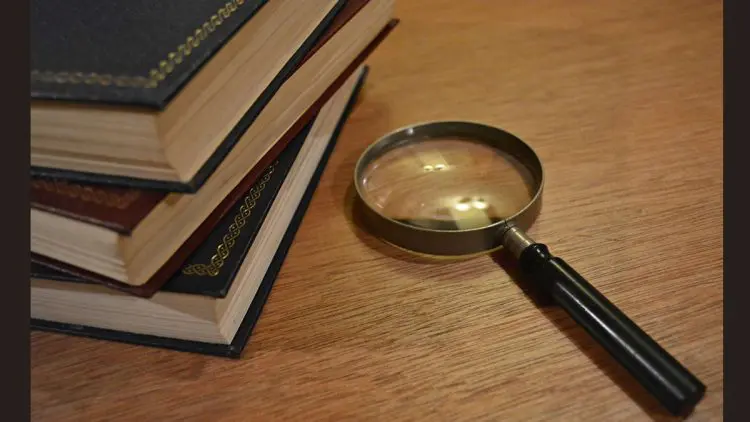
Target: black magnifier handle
{"x": 662, "y": 375}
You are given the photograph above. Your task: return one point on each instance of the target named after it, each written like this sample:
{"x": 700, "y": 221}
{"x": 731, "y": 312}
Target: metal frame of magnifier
{"x": 678, "y": 390}
{"x": 457, "y": 243}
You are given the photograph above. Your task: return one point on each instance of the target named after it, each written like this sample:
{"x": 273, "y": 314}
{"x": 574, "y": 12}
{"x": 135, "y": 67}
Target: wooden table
{"x": 623, "y": 102}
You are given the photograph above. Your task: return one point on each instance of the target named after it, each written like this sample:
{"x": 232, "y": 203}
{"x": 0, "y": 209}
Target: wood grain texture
{"x": 623, "y": 102}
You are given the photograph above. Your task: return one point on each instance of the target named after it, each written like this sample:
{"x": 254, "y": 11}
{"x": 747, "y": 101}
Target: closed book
{"x": 134, "y": 254}
{"x": 214, "y": 245}
{"x": 151, "y": 94}
{"x": 201, "y": 310}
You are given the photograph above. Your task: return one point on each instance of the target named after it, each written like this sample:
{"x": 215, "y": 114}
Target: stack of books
{"x": 174, "y": 149}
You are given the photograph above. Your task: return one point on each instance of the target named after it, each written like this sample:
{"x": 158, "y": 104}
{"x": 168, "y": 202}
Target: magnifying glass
{"x": 458, "y": 189}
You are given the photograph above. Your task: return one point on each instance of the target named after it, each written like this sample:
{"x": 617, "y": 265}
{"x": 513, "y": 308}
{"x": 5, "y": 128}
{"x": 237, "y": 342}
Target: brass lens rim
{"x": 439, "y": 242}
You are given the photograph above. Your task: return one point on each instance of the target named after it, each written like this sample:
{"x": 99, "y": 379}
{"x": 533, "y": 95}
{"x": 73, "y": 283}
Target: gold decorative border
{"x": 223, "y": 249}
{"x": 87, "y": 193}
{"x": 155, "y": 75}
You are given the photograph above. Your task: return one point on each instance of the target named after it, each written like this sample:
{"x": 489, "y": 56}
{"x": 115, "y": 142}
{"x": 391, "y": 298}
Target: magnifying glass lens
{"x": 446, "y": 184}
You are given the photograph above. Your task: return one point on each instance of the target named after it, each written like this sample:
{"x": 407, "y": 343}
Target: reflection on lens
{"x": 446, "y": 184}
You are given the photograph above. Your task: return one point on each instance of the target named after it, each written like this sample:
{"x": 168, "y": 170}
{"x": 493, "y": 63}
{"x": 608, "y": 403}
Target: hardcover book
{"x": 213, "y": 245}
{"x": 146, "y": 94}
{"x": 126, "y": 248}
{"x": 208, "y": 307}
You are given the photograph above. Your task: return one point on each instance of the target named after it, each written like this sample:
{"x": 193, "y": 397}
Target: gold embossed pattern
{"x": 87, "y": 193}
{"x": 156, "y": 74}
{"x": 228, "y": 241}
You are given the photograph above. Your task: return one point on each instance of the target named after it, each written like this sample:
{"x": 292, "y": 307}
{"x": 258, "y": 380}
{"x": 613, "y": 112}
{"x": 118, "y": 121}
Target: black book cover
{"x": 127, "y": 52}
{"x": 138, "y": 21}
{"x": 235, "y": 348}
{"x": 209, "y": 271}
